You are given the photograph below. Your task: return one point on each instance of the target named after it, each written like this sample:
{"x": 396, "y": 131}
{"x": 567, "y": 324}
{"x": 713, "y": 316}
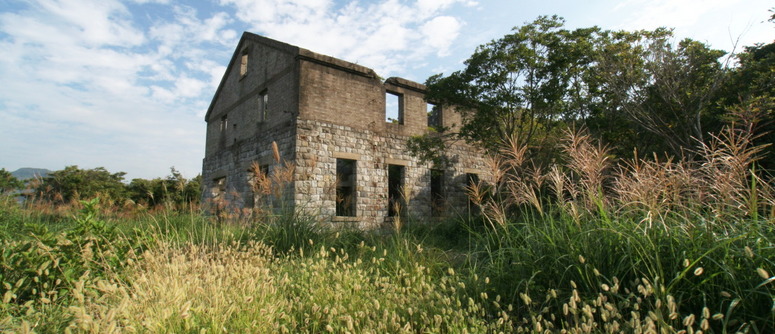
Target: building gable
{"x": 244, "y": 60}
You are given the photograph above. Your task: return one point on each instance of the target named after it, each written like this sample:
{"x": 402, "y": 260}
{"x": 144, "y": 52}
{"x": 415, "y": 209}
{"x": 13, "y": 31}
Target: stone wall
{"x": 233, "y": 164}
{"x": 318, "y": 146}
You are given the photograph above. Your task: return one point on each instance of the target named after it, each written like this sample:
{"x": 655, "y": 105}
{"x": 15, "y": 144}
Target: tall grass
{"x": 681, "y": 238}
{"x": 244, "y": 288}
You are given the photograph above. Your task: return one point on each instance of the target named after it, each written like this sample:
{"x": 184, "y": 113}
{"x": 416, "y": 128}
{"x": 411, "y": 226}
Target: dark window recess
{"x": 396, "y": 203}
{"x": 434, "y": 116}
{"x": 394, "y": 108}
{"x": 437, "y": 192}
{"x": 345, "y": 187}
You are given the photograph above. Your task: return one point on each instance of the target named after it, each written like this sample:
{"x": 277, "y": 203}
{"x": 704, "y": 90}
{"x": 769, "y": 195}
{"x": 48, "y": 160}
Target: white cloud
{"x": 432, "y": 6}
{"x": 384, "y": 35}
{"x": 716, "y": 22}
{"x": 652, "y": 14}
{"x": 440, "y": 32}
{"x": 100, "y": 22}
{"x": 91, "y": 88}
{"x": 142, "y": 2}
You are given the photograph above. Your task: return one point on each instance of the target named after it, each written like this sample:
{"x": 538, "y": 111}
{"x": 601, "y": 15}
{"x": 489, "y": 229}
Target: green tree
{"x": 630, "y": 88}
{"x": 520, "y": 87}
{"x": 174, "y": 189}
{"x": 145, "y": 191}
{"x": 666, "y": 91}
{"x": 752, "y": 87}
{"x": 75, "y": 183}
{"x": 8, "y": 182}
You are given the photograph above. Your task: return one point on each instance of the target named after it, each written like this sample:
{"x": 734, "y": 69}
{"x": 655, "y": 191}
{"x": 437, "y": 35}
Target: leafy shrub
{"x": 43, "y": 269}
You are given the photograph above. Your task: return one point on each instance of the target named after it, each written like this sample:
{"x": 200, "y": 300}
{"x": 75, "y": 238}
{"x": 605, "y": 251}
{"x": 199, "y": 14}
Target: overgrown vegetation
{"x": 591, "y": 245}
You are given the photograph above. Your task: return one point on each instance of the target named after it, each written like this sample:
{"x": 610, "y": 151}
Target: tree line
{"x": 73, "y": 183}
{"x": 631, "y": 89}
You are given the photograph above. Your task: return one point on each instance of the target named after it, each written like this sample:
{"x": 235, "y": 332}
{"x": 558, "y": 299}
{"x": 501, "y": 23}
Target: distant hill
{"x": 29, "y": 173}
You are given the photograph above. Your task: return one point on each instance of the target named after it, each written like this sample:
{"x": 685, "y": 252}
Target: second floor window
{"x": 224, "y": 123}
{"x": 434, "y": 116}
{"x": 394, "y": 108}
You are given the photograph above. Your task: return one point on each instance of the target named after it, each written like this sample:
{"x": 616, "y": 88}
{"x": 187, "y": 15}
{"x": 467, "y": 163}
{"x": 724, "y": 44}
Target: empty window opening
{"x": 437, "y": 192}
{"x": 263, "y": 106}
{"x": 396, "y": 203}
{"x": 394, "y": 108}
{"x": 434, "y": 116}
{"x": 345, "y": 187}
{"x": 224, "y": 129}
{"x": 224, "y": 123}
{"x": 243, "y": 69}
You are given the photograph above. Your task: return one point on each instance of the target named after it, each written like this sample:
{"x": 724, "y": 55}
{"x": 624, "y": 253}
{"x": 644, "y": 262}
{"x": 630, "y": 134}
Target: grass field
{"x": 590, "y": 246}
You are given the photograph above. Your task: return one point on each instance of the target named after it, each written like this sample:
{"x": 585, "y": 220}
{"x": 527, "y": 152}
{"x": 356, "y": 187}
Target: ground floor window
{"x": 437, "y": 192}
{"x": 345, "y": 187}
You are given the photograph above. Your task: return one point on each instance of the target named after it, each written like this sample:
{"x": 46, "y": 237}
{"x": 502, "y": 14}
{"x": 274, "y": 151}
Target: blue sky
{"x": 125, "y": 84}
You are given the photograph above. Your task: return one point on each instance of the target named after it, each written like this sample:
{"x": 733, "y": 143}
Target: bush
{"x": 43, "y": 269}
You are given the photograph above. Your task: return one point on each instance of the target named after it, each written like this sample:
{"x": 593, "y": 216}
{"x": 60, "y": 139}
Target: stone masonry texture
{"x": 318, "y": 109}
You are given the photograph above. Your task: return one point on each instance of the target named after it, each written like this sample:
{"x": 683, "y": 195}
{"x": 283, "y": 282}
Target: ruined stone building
{"x": 329, "y": 119}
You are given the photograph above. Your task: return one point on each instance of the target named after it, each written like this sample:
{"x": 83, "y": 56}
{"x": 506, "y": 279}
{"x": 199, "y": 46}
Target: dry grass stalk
{"x": 655, "y": 187}
{"x": 721, "y": 180}
{"x": 727, "y": 170}
{"x": 590, "y": 162}
{"x": 476, "y": 193}
{"x": 515, "y": 152}
{"x": 261, "y": 183}
{"x": 524, "y": 193}
{"x": 275, "y": 152}
{"x": 557, "y": 181}
{"x": 496, "y": 167}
